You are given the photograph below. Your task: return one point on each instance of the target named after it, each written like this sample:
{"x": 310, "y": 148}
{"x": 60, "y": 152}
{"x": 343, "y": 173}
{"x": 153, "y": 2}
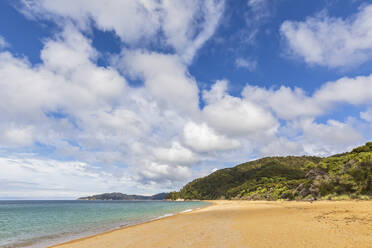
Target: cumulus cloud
{"x": 235, "y": 116}
{"x": 179, "y": 24}
{"x": 157, "y": 172}
{"x": 30, "y": 93}
{"x": 68, "y": 72}
{"x": 149, "y": 137}
{"x": 306, "y": 136}
{"x": 88, "y": 113}
{"x": 165, "y": 77}
{"x": 183, "y": 25}
{"x": 130, "y": 20}
{"x": 176, "y": 154}
{"x": 285, "y": 102}
{"x": 329, "y": 41}
{"x": 105, "y": 122}
{"x": 350, "y": 90}
{"x": 153, "y": 135}
{"x": 202, "y": 138}
{"x": 329, "y": 138}
{"x": 289, "y": 103}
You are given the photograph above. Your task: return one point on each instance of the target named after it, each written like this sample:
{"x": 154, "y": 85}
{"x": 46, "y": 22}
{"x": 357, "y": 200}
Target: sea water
{"x": 43, "y": 223}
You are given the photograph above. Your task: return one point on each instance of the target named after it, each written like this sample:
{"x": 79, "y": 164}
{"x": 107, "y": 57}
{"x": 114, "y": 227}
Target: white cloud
{"x": 17, "y": 136}
{"x": 149, "y": 137}
{"x": 130, "y": 20}
{"x": 329, "y": 138}
{"x": 282, "y": 147}
{"x": 75, "y": 88}
{"x": 367, "y": 115}
{"x": 179, "y": 22}
{"x": 330, "y": 41}
{"x": 235, "y": 116}
{"x": 163, "y": 173}
{"x": 291, "y": 104}
{"x": 248, "y": 64}
{"x": 29, "y": 177}
{"x": 202, "y": 138}
{"x": 285, "y": 102}
{"x": 165, "y": 77}
{"x": 3, "y": 43}
{"x": 176, "y": 154}
{"x": 354, "y": 91}
{"x": 88, "y": 113}
{"x": 184, "y": 25}
{"x": 68, "y": 72}
{"x": 308, "y": 137}
{"x": 157, "y": 132}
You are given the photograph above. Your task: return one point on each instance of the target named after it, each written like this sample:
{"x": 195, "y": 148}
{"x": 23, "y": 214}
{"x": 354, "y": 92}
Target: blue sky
{"x": 143, "y": 96}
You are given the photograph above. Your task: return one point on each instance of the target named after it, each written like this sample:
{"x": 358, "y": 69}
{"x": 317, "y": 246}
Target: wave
{"x": 187, "y": 210}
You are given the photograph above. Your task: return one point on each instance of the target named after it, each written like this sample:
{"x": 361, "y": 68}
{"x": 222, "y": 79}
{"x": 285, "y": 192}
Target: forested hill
{"x": 347, "y": 175}
{"x": 120, "y": 196}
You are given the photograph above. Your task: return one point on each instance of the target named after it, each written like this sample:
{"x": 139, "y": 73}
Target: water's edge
{"x": 124, "y": 226}
{"x": 36, "y": 224}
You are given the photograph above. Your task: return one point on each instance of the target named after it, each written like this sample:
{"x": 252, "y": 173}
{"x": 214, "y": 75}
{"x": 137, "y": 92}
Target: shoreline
{"x": 247, "y": 224}
{"x": 122, "y": 227}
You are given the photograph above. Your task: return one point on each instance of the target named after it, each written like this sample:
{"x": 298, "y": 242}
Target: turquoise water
{"x": 42, "y": 223}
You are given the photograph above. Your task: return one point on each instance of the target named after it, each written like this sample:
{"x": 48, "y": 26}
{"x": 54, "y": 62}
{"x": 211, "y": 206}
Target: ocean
{"x": 44, "y": 223}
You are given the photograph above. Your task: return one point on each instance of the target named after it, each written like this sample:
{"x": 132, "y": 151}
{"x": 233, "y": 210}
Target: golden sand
{"x": 247, "y": 224}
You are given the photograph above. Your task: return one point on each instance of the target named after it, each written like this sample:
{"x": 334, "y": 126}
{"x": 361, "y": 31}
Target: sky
{"x": 143, "y": 96}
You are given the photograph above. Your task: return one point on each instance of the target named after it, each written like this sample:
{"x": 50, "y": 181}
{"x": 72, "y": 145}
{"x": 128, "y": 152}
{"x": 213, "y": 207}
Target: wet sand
{"x": 248, "y": 224}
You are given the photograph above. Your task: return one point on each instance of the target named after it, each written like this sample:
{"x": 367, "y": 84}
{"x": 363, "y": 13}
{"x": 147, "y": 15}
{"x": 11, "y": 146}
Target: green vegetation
{"x": 342, "y": 176}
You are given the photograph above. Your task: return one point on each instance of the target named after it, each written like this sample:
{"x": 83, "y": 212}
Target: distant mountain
{"x": 160, "y": 196}
{"x": 342, "y": 176}
{"x": 119, "y": 196}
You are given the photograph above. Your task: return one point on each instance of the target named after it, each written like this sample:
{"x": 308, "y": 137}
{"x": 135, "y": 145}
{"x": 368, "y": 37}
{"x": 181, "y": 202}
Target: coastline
{"x": 247, "y": 224}
{"x": 122, "y": 227}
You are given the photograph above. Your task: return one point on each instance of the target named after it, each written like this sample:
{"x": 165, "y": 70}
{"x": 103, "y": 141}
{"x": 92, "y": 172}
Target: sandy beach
{"x": 247, "y": 224}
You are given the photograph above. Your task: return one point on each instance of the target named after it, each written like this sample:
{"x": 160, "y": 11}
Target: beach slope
{"x": 249, "y": 224}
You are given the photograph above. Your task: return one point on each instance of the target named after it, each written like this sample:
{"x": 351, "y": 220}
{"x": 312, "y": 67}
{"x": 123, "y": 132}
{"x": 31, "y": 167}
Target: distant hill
{"x": 119, "y": 196}
{"x": 347, "y": 175}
